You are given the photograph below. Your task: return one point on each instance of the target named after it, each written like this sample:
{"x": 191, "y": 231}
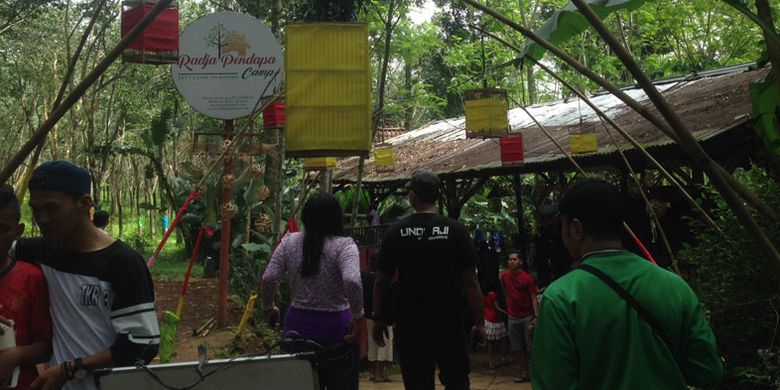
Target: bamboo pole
{"x": 637, "y": 146}
{"x": 576, "y": 165}
{"x": 554, "y": 141}
{"x": 43, "y": 130}
{"x": 697, "y": 153}
{"x": 649, "y": 205}
{"x": 619, "y": 129}
{"x": 743, "y": 191}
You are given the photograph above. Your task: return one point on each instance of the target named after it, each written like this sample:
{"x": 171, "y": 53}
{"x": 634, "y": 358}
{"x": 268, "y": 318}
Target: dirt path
{"x": 201, "y": 304}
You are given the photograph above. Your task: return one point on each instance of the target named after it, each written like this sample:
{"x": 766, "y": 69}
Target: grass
{"x": 172, "y": 263}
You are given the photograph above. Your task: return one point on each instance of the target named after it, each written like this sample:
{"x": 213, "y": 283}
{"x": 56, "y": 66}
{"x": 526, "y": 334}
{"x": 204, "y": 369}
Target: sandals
{"x": 380, "y": 380}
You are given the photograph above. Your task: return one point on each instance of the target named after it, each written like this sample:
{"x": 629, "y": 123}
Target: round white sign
{"x": 226, "y": 61}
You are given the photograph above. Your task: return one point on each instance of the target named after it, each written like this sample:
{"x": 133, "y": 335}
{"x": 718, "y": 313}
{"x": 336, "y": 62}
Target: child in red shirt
{"x": 24, "y": 301}
{"x": 495, "y": 329}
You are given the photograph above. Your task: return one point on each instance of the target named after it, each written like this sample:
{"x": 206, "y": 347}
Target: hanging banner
{"x": 486, "y": 113}
{"x": 226, "y": 60}
{"x": 328, "y": 90}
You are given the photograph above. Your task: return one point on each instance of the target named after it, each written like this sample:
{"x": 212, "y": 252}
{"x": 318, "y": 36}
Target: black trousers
{"x": 422, "y": 347}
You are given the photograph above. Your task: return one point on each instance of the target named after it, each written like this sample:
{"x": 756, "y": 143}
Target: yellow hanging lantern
{"x": 584, "y": 140}
{"x": 384, "y": 158}
{"x": 486, "y": 113}
{"x": 316, "y": 163}
{"x": 328, "y": 93}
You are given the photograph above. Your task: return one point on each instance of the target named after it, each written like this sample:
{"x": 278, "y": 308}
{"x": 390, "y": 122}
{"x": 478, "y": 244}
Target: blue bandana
{"x": 61, "y": 176}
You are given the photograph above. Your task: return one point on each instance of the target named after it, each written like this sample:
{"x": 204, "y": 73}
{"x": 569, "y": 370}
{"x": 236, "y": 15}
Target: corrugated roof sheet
{"x": 709, "y": 103}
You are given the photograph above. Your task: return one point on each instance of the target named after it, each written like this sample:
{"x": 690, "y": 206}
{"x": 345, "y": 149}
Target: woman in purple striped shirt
{"x": 324, "y": 269}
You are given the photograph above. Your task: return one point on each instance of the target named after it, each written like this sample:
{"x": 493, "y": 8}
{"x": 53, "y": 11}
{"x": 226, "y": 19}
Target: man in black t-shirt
{"x": 101, "y": 294}
{"x": 435, "y": 259}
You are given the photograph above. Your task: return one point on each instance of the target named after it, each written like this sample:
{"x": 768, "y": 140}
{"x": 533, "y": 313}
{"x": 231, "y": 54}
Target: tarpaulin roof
{"x": 710, "y": 103}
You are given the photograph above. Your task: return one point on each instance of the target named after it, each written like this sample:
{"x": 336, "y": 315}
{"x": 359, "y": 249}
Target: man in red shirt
{"x": 24, "y": 301}
{"x": 522, "y": 307}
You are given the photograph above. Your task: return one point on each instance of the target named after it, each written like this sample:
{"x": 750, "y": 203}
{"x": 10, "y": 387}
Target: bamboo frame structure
{"x": 730, "y": 188}
{"x": 686, "y": 139}
{"x": 743, "y": 191}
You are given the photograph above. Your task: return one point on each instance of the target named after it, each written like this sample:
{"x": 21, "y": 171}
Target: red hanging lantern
{"x": 159, "y": 42}
{"x": 512, "y": 150}
{"x": 273, "y": 115}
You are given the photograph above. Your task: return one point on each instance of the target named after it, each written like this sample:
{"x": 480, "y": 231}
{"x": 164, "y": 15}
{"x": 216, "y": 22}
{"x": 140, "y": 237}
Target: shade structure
{"x": 328, "y": 90}
{"x": 159, "y": 42}
{"x": 512, "y": 150}
{"x": 486, "y": 113}
{"x": 273, "y": 115}
{"x": 315, "y": 163}
{"x": 384, "y": 158}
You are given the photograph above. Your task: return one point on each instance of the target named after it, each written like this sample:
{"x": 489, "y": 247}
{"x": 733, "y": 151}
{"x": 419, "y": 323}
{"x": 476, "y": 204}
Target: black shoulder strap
{"x": 643, "y": 313}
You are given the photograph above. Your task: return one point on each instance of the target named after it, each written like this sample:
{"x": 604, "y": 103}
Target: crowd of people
{"x": 79, "y": 300}
{"x": 614, "y": 321}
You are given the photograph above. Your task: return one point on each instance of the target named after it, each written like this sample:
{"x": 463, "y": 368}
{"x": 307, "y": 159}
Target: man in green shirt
{"x": 589, "y": 337}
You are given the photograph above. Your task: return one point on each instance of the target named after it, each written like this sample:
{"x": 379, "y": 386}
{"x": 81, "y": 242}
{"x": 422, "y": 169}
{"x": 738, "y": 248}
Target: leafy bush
{"x": 737, "y": 285}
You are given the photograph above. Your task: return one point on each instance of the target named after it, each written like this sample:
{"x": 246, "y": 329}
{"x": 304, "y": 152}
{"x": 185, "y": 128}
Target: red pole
{"x": 224, "y": 241}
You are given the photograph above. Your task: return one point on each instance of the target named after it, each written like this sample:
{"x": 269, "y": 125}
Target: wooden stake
{"x": 685, "y": 137}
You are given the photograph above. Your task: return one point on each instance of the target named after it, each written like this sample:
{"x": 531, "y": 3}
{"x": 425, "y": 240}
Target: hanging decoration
{"x": 384, "y": 158}
{"x": 512, "y": 150}
{"x": 486, "y": 113}
{"x": 273, "y": 115}
{"x": 228, "y": 210}
{"x": 328, "y": 96}
{"x": 263, "y": 223}
{"x": 257, "y": 171}
{"x": 263, "y": 193}
{"x": 583, "y": 139}
{"x": 159, "y": 42}
{"x": 317, "y": 163}
{"x": 228, "y": 182}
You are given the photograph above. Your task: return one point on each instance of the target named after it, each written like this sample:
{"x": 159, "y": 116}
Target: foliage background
{"x": 737, "y": 287}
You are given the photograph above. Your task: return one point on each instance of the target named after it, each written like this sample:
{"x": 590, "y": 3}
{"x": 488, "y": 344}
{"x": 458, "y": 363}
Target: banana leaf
{"x": 567, "y": 22}
{"x": 168, "y": 335}
{"x": 766, "y": 106}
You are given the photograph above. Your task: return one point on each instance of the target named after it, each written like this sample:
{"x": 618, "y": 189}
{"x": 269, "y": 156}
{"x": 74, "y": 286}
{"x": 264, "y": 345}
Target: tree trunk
{"x": 531, "y": 86}
{"x": 409, "y": 111}
{"x": 389, "y": 26}
{"x": 119, "y": 212}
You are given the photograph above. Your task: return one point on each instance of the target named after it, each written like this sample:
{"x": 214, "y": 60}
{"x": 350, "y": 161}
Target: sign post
{"x": 226, "y": 61}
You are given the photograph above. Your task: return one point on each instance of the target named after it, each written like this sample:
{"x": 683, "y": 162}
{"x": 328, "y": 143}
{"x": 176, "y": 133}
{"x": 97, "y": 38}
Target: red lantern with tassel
{"x": 159, "y": 42}
{"x": 512, "y": 152}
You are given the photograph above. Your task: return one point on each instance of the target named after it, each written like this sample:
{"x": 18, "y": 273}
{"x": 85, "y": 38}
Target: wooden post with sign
{"x": 224, "y": 240}
{"x": 227, "y": 62}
